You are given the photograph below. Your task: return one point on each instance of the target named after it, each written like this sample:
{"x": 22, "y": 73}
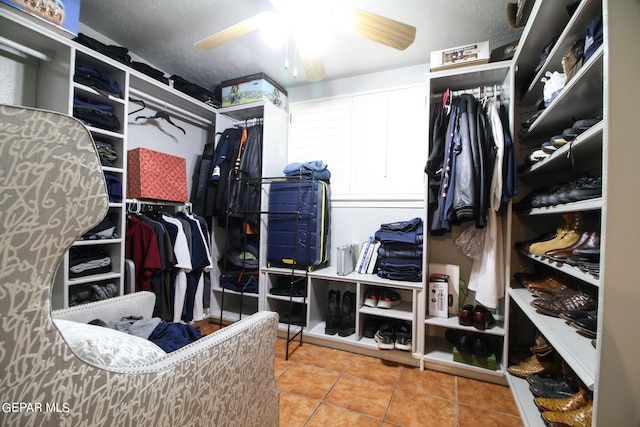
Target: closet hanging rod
{"x": 186, "y": 205}
{"x": 248, "y": 122}
{"x": 163, "y": 105}
{"x": 25, "y": 50}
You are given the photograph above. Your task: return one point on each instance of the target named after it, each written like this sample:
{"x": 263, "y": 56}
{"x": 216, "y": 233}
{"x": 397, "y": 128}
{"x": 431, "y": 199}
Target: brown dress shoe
{"x": 555, "y": 306}
{"x": 572, "y": 403}
{"x": 465, "y": 315}
{"x": 577, "y": 418}
{"x": 483, "y": 318}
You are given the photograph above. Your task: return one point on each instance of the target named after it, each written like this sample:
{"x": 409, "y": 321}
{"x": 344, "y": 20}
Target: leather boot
{"x": 347, "y": 315}
{"x": 333, "y": 313}
{"x": 576, "y": 418}
{"x": 566, "y": 236}
{"x": 572, "y": 403}
{"x": 590, "y": 238}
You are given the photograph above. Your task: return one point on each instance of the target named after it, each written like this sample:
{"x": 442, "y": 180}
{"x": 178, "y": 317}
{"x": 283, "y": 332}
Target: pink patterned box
{"x": 155, "y": 175}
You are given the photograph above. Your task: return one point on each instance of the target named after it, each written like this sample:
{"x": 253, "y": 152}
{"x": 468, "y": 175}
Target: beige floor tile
{"x": 296, "y": 351}
{"x": 281, "y": 365}
{"x": 307, "y": 380}
{"x": 331, "y": 416}
{"x": 374, "y": 369}
{"x": 476, "y": 417}
{"x": 328, "y": 358}
{"x": 485, "y": 395}
{"x": 295, "y": 410}
{"x": 409, "y": 409}
{"x": 428, "y": 382}
{"x": 360, "y": 395}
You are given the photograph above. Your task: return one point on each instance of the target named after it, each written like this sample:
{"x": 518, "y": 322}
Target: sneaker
{"x": 371, "y": 296}
{"x": 371, "y": 326}
{"x": 385, "y": 337}
{"x": 403, "y": 337}
{"x": 389, "y": 299}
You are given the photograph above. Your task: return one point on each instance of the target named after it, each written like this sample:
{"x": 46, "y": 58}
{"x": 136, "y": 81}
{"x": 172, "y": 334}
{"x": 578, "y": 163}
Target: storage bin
{"x": 155, "y": 175}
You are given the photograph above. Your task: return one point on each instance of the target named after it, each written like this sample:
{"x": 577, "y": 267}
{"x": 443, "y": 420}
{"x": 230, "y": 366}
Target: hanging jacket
{"x": 244, "y": 198}
{"x": 468, "y": 172}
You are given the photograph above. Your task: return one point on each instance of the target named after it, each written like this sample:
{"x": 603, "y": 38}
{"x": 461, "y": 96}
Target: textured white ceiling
{"x": 162, "y": 32}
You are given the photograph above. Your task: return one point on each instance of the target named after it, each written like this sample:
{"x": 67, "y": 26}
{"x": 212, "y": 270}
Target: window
{"x": 375, "y": 145}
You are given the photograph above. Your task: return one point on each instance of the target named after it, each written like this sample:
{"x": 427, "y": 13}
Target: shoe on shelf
{"x": 576, "y": 401}
{"x": 553, "y": 391}
{"x": 333, "y": 313}
{"x": 572, "y": 315}
{"x": 534, "y": 365}
{"x": 371, "y": 325}
{"x": 567, "y": 235}
{"x": 465, "y": 315}
{"x": 461, "y": 340}
{"x": 403, "y": 337}
{"x": 542, "y": 347}
{"x": 587, "y": 326}
{"x": 480, "y": 346}
{"x": 371, "y": 296}
{"x": 555, "y": 306}
{"x": 483, "y": 318}
{"x": 385, "y": 337}
{"x": 389, "y": 299}
{"x": 347, "y": 315}
{"x": 576, "y": 418}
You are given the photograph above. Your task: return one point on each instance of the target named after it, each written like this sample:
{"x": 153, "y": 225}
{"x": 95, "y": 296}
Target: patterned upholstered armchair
{"x": 51, "y": 192}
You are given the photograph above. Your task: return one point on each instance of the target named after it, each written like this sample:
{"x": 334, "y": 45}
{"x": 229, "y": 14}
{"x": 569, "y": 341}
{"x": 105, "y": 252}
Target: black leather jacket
{"x": 470, "y": 191}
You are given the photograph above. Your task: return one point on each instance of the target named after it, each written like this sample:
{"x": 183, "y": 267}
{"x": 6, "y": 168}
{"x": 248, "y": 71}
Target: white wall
{"x": 358, "y": 84}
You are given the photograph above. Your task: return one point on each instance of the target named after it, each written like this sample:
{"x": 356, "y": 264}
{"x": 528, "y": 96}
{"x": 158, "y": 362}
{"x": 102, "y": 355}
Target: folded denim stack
{"x": 400, "y": 252}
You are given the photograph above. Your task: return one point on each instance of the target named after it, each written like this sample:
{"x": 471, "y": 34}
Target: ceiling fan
{"x": 315, "y": 18}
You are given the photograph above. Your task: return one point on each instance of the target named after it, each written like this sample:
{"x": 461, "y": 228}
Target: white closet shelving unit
{"x": 437, "y": 353}
{"x": 609, "y": 368}
{"x": 48, "y": 60}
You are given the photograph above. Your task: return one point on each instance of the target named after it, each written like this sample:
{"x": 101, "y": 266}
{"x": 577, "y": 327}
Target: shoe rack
{"x": 584, "y": 96}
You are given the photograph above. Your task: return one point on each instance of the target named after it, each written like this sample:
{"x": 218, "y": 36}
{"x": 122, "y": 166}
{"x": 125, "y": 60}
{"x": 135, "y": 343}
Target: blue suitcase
{"x": 298, "y": 224}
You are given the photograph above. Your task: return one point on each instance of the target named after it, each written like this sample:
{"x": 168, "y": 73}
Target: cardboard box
{"x": 452, "y": 272}
{"x": 474, "y": 360}
{"x": 64, "y": 14}
{"x": 253, "y": 88}
{"x": 155, "y": 175}
{"x": 438, "y": 299}
{"x": 461, "y": 56}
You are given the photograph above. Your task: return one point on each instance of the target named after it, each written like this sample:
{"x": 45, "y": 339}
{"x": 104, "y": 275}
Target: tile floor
{"x": 324, "y": 387}
{"x": 321, "y": 386}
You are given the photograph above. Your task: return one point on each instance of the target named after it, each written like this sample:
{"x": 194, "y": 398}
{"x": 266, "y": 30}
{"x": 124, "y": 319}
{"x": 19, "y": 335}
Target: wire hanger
{"x": 137, "y": 101}
{"x": 162, "y": 115}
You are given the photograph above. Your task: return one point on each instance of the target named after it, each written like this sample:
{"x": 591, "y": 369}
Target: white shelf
{"x": 98, "y": 242}
{"x": 574, "y": 30}
{"x": 438, "y": 350}
{"x": 231, "y": 292}
{"x": 452, "y": 323}
{"x": 575, "y": 349}
{"x": 565, "y": 268}
{"x": 524, "y": 400}
{"x": 94, "y": 278}
{"x": 286, "y": 298}
{"x": 403, "y": 311}
{"x": 581, "y": 206}
{"x": 581, "y": 98}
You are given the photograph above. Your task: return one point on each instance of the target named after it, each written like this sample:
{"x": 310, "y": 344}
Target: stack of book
{"x": 368, "y": 258}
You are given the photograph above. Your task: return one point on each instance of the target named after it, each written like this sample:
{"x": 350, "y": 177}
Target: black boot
{"x": 348, "y": 315}
{"x": 333, "y": 313}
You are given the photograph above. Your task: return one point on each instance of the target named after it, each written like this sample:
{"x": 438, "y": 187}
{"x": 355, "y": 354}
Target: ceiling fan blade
{"x": 313, "y": 66}
{"x": 234, "y": 31}
{"x": 374, "y": 27}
